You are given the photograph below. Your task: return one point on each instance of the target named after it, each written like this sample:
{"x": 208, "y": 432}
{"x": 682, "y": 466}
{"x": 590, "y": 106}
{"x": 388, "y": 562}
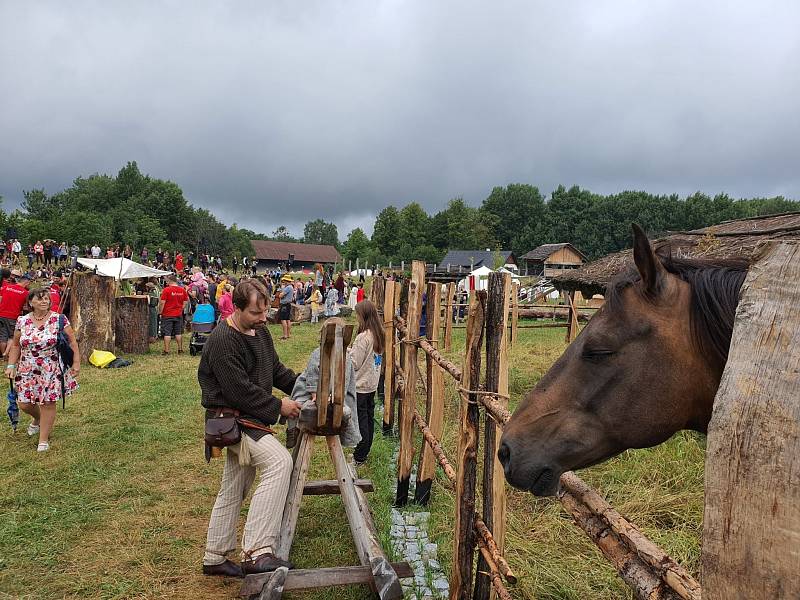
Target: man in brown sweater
{"x": 238, "y": 370}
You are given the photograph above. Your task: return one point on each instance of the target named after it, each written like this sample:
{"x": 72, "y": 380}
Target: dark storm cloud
{"x": 270, "y": 113}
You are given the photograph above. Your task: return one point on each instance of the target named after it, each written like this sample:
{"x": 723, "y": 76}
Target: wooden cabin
{"x": 549, "y": 260}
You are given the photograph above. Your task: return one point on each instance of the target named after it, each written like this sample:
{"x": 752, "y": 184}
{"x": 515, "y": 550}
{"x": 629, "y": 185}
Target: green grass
{"x": 119, "y": 507}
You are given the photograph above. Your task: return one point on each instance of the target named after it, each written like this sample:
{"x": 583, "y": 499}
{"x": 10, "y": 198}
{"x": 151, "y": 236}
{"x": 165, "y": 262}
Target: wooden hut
{"x": 549, "y": 260}
{"x": 730, "y": 239}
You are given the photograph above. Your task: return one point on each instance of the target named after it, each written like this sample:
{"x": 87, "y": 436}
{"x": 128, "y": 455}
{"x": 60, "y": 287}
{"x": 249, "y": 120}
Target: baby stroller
{"x": 202, "y": 324}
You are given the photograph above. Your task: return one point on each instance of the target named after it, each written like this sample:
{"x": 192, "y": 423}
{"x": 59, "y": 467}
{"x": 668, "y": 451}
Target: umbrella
{"x": 13, "y": 410}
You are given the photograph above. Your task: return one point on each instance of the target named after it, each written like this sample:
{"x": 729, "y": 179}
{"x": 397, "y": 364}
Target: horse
{"x": 647, "y": 365}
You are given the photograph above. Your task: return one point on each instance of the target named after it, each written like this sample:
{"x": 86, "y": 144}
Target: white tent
{"x": 120, "y": 268}
{"x": 514, "y": 276}
{"x": 481, "y": 279}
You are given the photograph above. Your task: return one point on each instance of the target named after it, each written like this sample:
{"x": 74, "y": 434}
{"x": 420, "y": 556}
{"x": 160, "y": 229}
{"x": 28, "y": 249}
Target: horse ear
{"x": 650, "y": 268}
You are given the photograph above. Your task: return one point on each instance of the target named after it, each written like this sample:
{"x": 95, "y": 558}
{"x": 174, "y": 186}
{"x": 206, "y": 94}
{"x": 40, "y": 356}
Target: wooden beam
{"x": 327, "y": 335}
{"x": 751, "y": 524}
{"x": 494, "y": 491}
{"x": 388, "y": 355}
{"x": 572, "y": 319}
{"x": 463, "y": 538}
{"x": 291, "y": 510}
{"x": 405, "y": 455}
{"x": 434, "y": 398}
{"x": 368, "y": 547}
{"x": 309, "y": 579}
{"x": 273, "y": 588}
{"x": 514, "y": 313}
{"x": 330, "y": 487}
{"x": 448, "y": 322}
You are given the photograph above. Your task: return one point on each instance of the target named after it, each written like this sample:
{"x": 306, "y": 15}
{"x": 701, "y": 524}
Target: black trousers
{"x": 366, "y": 424}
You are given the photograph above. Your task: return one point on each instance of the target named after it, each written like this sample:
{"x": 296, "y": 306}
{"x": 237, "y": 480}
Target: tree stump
{"x": 300, "y": 312}
{"x": 751, "y": 526}
{"x": 131, "y": 320}
{"x": 92, "y": 312}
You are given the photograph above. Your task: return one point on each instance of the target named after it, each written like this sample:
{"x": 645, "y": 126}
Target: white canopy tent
{"x": 120, "y": 268}
{"x": 481, "y": 279}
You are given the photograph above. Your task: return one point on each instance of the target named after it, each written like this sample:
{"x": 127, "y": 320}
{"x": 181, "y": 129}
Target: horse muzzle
{"x": 520, "y": 472}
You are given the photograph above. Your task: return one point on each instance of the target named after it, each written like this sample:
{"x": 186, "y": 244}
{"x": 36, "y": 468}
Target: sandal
{"x": 43, "y": 447}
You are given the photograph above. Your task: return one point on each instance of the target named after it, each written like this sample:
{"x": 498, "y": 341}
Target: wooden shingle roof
{"x": 307, "y": 253}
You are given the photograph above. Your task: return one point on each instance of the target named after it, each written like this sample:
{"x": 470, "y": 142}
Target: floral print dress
{"x": 38, "y": 379}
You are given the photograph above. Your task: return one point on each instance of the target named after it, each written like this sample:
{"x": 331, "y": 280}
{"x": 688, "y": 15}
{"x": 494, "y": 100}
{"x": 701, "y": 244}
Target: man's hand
{"x": 290, "y": 408}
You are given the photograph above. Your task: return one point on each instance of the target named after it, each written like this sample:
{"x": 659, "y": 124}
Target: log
{"x": 434, "y": 392}
{"x": 541, "y": 313}
{"x": 388, "y": 356}
{"x": 309, "y": 579}
{"x": 327, "y": 336}
{"x": 273, "y": 588}
{"x": 300, "y": 312}
{"x": 405, "y": 456}
{"x": 645, "y": 584}
{"x": 751, "y": 524}
{"x": 92, "y": 312}
{"x": 385, "y": 581}
{"x": 514, "y": 313}
{"x": 464, "y": 539}
{"x": 448, "y": 321}
{"x": 330, "y": 487}
{"x": 436, "y": 447}
{"x": 572, "y": 320}
{"x": 494, "y": 496}
{"x": 493, "y": 572}
{"x": 658, "y": 561}
{"x": 131, "y": 324}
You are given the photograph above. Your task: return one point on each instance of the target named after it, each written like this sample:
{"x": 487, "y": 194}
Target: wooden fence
{"x": 641, "y": 564}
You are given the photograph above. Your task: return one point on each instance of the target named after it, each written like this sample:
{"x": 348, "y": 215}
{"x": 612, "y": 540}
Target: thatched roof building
{"x": 730, "y": 239}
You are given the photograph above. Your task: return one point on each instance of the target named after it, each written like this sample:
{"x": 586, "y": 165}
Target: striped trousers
{"x": 273, "y": 463}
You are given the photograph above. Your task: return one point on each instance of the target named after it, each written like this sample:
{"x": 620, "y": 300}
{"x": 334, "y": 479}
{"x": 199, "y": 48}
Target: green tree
{"x": 357, "y": 246}
{"x": 517, "y": 212}
{"x": 321, "y": 232}
{"x": 282, "y": 234}
{"x": 385, "y": 233}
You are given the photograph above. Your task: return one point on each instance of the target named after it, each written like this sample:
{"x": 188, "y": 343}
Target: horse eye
{"x": 596, "y": 355}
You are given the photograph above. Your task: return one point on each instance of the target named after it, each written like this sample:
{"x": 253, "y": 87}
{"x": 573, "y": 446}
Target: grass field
{"x": 119, "y": 507}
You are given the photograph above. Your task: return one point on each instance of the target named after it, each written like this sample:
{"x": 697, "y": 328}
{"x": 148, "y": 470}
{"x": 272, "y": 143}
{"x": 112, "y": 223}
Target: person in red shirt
{"x": 360, "y": 292}
{"x": 55, "y": 298}
{"x": 13, "y": 296}
{"x": 179, "y": 263}
{"x": 170, "y": 307}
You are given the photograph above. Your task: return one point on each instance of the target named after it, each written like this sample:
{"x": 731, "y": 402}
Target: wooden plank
{"x": 572, "y": 319}
{"x": 338, "y": 368}
{"x": 385, "y": 581}
{"x": 327, "y": 335}
{"x": 448, "y": 322}
{"x": 514, "y": 313}
{"x": 405, "y": 455}
{"x": 330, "y": 487}
{"x": 273, "y": 589}
{"x": 463, "y": 538}
{"x": 291, "y": 510}
{"x": 494, "y": 491}
{"x": 309, "y": 579}
{"x": 388, "y": 355}
{"x": 751, "y": 524}
{"x": 434, "y": 398}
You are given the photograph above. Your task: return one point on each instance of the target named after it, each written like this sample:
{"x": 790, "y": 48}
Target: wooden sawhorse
{"x": 326, "y": 420}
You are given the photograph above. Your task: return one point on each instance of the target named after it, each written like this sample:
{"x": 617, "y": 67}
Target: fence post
{"x": 572, "y": 319}
{"x": 514, "y": 313}
{"x": 434, "y": 410}
{"x": 406, "y": 454}
{"x": 464, "y": 538}
{"x": 448, "y": 322}
{"x": 494, "y": 491}
{"x": 388, "y": 355}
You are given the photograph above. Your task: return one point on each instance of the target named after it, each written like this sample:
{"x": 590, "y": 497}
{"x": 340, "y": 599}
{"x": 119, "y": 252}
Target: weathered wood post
{"x": 434, "y": 413}
{"x": 405, "y": 456}
{"x": 448, "y": 321}
{"x": 92, "y": 312}
{"x": 514, "y": 313}
{"x": 464, "y": 538}
{"x": 494, "y": 488}
{"x": 572, "y": 318}
{"x": 751, "y": 524}
{"x": 388, "y": 356}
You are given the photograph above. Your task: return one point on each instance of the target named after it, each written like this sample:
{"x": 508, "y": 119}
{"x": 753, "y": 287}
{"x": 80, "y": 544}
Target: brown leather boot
{"x": 226, "y": 569}
{"x": 264, "y": 563}
{"x": 291, "y": 437}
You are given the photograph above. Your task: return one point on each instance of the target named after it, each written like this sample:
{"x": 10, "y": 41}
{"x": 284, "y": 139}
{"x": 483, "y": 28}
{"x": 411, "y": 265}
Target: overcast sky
{"x": 271, "y": 113}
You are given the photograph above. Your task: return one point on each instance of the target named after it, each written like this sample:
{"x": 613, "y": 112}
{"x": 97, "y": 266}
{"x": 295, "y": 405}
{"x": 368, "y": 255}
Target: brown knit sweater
{"x": 239, "y": 371}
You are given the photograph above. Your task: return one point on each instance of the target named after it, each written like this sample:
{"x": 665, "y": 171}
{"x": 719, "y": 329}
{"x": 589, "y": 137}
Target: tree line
{"x": 138, "y": 210}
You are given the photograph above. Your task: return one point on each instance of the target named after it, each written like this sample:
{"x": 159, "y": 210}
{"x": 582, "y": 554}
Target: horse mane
{"x": 715, "y": 285}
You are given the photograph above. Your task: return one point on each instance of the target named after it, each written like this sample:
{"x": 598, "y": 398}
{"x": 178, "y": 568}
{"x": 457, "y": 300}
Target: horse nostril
{"x": 504, "y": 453}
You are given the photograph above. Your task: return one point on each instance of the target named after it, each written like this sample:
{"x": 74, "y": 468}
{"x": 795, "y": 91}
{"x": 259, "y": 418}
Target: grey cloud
{"x": 278, "y": 113}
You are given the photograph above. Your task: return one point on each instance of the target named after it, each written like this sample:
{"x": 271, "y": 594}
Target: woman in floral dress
{"x": 35, "y": 367}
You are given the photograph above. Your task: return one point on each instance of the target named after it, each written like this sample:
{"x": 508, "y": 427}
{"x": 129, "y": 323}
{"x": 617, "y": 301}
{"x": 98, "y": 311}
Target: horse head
{"x": 647, "y": 365}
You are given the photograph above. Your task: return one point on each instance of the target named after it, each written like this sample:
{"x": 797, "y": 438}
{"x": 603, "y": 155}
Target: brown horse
{"x": 647, "y": 365}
